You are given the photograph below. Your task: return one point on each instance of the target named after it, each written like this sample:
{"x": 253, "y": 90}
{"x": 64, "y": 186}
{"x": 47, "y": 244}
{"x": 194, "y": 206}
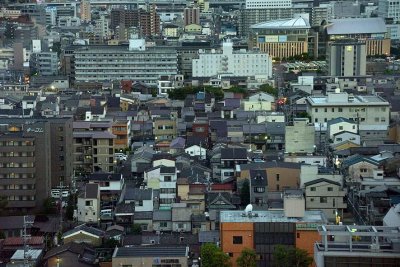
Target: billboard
{"x": 271, "y": 39}
{"x": 282, "y": 38}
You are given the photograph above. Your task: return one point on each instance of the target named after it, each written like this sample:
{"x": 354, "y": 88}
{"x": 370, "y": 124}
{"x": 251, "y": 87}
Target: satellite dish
{"x": 249, "y": 208}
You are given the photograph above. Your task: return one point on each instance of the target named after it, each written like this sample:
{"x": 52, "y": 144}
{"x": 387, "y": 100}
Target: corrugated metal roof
{"x": 356, "y": 26}
{"x": 295, "y": 23}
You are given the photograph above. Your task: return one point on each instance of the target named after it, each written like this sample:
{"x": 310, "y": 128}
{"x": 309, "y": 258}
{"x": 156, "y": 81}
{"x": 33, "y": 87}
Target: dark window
{"x": 323, "y": 200}
{"x": 330, "y": 188}
{"x": 312, "y": 188}
{"x": 277, "y": 177}
{"x": 237, "y": 240}
{"x": 298, "y": 235}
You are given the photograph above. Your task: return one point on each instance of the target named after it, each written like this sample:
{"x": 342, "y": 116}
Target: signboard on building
{"x": 261, "y": 39}
{"x": 271, "y": 38}
{"x": 306, "y": 226}
{"x": 282, "y": 38}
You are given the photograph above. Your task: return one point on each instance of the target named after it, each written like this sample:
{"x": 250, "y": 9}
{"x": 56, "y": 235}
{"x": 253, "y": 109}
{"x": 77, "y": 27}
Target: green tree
{"x": 290, "y": 256}
{"x": 245, "y": 193}
{"x": 247, "y": 258}
{"x": 136, "y": 229}
{"x": 213, "y": 256}
{"x": 69, "y": 211}
{"x": 266, "y": 88}
{"x": 49, "y": 206}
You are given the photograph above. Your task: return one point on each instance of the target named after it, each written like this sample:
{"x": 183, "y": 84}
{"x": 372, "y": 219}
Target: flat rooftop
{"x": 346, "y": 100}
{"x": 270, "y": 216}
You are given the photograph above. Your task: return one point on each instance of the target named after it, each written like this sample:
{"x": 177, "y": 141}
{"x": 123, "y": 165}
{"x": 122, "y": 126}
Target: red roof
{"x": 18, "y": 241}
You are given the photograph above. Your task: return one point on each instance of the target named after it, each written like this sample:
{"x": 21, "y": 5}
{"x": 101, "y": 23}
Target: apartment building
{"x": 232, "y": 63}
{"x": 191, "y": 15}
{"x": 134, "y": 62}
{"x": 93, "y": 146}
{"x": 370, "y": 112}
{"x": 164, "y": 129}
{"x": 389, "y": 9}
{"x": 347, "y": 58}
{"x": 25, "y": 166}
{"x": 148, "y": 22}
{"x": 85, "y": 13}
{"x": 44, "y": 63}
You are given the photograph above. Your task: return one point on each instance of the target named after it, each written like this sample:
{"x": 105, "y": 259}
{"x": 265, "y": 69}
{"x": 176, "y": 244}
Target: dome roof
{"x": 295, "y": 23}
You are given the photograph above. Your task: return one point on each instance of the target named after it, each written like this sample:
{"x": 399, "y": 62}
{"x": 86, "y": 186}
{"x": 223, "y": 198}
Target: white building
{"x": 89, "y": 204}
{"x": 268, "y": 4}
{"x": 339, "y": 125}
{"x": 393, "y": 31}
{"x": 196, "y": 150}
{"x": 102, "y": 28}
{"x": 347, "y": 58}
{"x": 370, "y": 112}
{"x": 162, "y": 178}
{"x": 232, "y": 63}
{"x": 389, "y": 9}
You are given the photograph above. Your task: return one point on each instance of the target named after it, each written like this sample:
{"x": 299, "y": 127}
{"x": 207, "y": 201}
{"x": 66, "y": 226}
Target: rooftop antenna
{"x": 249, "y": 208}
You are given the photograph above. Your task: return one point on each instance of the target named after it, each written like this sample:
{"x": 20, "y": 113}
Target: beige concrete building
{"x": 93, "y": 146}
{"x": 326, "y": 195}
{"x": 299, "y": 137}
{"x": 86, "y": 15}
{"x": 148, "y": 256}
{"x": 164, "y": 129}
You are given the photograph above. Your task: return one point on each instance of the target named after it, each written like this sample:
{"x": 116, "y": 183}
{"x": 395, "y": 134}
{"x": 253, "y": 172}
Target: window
{"x": 277, "y": 177}
{"x": 230, "y": 254}
{"x": 312, "y": 189}
{"x": 88, "y": 203}
{"x": 325, "y": 109}
{"x": 311, "y": 199}
{"x": 363, "y": 170}
{"x": 181, "y": 225}
{"x": 277, "y": 187}
{"x": 340, "y": 127}
{"x": 167, "y": 178}
{"x": 163, "y": 224}
{"x": 237, "y": 240}
{"x": 333, "y": 109}
{"x": 316, "y": 110}
{"x": 323, "y": 200}
{"x": 340, "y": 109}
{"x": 330, "y": 188}
{"x": 298, "y": 235}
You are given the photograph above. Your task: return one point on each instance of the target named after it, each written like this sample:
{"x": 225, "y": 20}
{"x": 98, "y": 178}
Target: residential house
{"x": 259, "y": 102}
{"x": 341, "y": 124}
{"x": 110, "y": 184}
{"x": 196, "y": 151}
{"x": 280, "y": 175}
{"x": 181, "y": 217}
{"x": 122, "y": 130}
{"x": 140, "y": 199}
{"x": 259, "y": 188}
{"x": 84, "y": 234}
{"x": 115, "y": 232}
{"x": 309, "y": 173}
{"x": 150, "y": 255}
{"x": 162, "y": 220}
{"x": 191, "y": 194}
{"x": 70, "y": 255}
{"x": 340, "y": 137}
{"x": 177, "y": 145}
{"x": 230, "y": 158}
{"x": 13, "y": 225}
{"x": 357, "y": 166}
{"x": 19, "y": 258}
{"x": 162, "y": 178}
{"x": 144, "y": 219}
{"x": 141, "y": 161}
{"x": 326, "y": 195}
{"x": 164, "y": 129}
{"x": 88, "y": 206}
{"x": 200, "y": 222}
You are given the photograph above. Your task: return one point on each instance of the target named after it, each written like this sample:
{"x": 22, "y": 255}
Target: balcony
{"x": 17, "y": 159}
{"x": 18, "y": 170}
{"x": 21, "y": 204}
{"x": 18, "y": 192}
{"x": 17, "y": 181}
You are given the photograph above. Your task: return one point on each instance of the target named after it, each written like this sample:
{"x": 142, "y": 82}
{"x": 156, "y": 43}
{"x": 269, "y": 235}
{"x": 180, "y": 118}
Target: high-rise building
{"x": 86, "y": 14}
{"x": 133, "y": 62}
{"x": 389, "y": 9}
{"x": 147, "y": 21}
{"x": 191, "y": 15}
{"x": 25, "y": 166}
{"x": 347, "y": 58}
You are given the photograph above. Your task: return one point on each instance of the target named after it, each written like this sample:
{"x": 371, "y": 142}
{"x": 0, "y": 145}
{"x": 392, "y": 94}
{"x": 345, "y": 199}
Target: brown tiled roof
{"x": 18, "y": 241}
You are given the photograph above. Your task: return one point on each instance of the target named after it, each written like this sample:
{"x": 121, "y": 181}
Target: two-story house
{"x": 89, "y": 204}
{"x": 162, "y": 178}
{"x": 110, "y": 185}
{"x": 326, "y": 195}
{"x": 181, "y": 218}
{"x": 230, "y": 158}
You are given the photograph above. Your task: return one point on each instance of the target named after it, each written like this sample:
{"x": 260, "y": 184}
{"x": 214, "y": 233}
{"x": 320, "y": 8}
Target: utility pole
{"x": 26, "y": 237}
